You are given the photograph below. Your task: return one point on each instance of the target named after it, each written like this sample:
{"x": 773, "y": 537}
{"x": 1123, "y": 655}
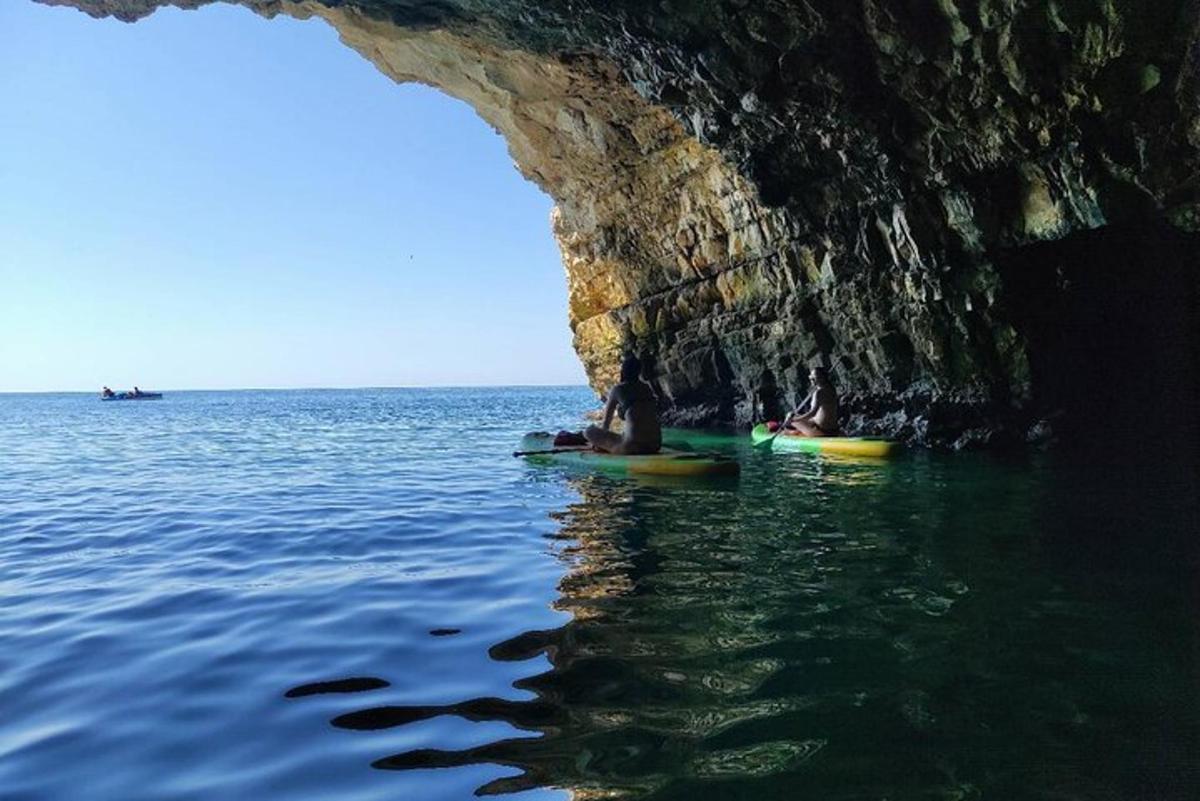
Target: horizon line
{"x": 298, "y": 389}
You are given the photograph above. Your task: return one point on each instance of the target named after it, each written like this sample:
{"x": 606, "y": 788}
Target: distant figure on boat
{"x": 817, "y": 416}
{"x": 106, "y": 393}
{"x": 635, "y": 402}
{"x": 137, "y": 393}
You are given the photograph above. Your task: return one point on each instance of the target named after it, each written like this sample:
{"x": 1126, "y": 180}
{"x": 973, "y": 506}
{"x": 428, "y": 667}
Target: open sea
{"x": 361, "y": 595}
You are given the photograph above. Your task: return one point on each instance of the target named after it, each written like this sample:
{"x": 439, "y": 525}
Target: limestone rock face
{"x": 932, "y": 198}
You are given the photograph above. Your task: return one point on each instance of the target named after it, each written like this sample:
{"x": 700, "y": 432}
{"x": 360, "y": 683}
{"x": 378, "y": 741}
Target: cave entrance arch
{"x": 269, "y": 234}
{"x": 650, "y": 222}
{"x": 897, "y": 159}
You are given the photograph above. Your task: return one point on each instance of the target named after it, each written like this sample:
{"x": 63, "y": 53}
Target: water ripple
{"x": 342, "y": 595}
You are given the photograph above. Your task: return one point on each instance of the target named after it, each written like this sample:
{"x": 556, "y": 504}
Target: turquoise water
{"x": 361, "y": 595}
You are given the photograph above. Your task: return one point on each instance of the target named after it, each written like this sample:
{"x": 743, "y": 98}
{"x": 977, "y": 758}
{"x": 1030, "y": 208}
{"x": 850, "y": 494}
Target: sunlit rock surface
{"x": 981, "y": 216}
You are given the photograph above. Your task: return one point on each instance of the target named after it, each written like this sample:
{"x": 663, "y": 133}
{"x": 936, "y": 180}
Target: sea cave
{"x": 981, "y": 217}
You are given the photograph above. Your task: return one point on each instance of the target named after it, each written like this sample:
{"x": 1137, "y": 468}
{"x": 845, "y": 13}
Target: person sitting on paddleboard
{"x": 821, "y": 417}
{"x": 635, "y": 402}
{"x": 106, "y": 393}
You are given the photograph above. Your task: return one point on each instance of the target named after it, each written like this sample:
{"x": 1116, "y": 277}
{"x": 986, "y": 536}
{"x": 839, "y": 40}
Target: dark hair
{"x": 821, "y": 373}
{"x": 631, "y": 368}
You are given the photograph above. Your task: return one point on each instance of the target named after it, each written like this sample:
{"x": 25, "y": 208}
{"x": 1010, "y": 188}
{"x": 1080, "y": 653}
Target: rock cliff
{"x": 982, "y": 216}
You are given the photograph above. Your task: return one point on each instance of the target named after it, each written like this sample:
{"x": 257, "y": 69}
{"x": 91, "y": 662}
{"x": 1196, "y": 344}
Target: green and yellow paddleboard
{"x": 664, "y": 463}
{"x": 843, "y": 446}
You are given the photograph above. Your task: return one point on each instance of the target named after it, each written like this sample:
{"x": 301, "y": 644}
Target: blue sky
{"x": 208, "y": 199}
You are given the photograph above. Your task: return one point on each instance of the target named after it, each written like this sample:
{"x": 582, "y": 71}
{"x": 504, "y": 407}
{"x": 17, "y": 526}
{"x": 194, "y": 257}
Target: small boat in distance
{"x": 107, "y": 394}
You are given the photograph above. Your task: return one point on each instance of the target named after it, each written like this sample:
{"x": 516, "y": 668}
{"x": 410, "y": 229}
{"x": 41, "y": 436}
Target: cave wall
{"x": 747, "y": 188}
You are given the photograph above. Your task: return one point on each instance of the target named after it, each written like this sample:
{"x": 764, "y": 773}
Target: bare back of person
{"x": 638, "y": 409}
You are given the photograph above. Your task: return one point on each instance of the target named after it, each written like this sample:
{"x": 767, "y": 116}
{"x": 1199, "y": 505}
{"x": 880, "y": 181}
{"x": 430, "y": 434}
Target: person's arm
{"x": 810, "y": 403}
{"x": 610, "y": 408}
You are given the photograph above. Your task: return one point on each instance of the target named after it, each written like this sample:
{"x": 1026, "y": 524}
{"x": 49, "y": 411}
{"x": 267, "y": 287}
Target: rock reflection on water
{"x": 826, "y": 630}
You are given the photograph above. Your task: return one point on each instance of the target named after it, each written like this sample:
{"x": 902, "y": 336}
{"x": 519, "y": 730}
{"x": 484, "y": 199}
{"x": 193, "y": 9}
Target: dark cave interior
{"x": 1111, "y": 317}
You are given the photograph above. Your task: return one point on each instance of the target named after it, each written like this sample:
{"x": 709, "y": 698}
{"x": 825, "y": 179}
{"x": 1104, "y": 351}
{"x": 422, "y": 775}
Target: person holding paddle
{"x": 818, "y": 415}
{"x": 635, "y": 402}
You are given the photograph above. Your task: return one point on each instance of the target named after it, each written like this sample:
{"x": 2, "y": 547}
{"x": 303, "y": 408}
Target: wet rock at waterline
{"x": 981, "y": 216}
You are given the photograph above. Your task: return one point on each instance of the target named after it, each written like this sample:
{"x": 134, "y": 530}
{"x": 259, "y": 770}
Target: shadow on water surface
{"x": 921, "y": 629}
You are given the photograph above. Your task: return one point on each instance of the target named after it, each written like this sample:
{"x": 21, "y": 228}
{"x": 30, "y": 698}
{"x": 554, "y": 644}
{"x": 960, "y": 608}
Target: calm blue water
{"x": 361, "y": 595}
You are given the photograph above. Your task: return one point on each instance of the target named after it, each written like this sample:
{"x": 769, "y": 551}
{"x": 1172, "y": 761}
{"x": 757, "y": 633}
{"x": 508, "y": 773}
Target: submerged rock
{"x": 902, "y": 192}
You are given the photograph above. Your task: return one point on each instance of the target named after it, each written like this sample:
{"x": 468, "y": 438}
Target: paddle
{"x": 766, "y": 443}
